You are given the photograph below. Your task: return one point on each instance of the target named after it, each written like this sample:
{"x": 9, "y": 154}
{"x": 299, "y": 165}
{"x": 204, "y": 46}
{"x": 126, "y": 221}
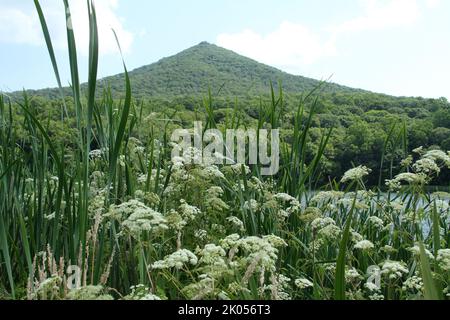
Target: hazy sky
{"x": 399, "y": 47}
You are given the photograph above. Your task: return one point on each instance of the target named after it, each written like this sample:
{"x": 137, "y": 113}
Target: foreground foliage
{"x": 108, "y": 214}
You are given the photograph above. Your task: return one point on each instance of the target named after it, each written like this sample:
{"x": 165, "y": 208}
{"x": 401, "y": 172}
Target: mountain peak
{"x": 205, "y": 66}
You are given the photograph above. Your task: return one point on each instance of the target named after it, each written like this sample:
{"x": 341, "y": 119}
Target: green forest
{"x": 95, "y": 206}
{"x": 364, "y": 123}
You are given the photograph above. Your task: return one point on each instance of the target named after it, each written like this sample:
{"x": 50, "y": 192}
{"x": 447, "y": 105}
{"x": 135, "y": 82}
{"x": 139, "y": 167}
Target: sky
{"x": 398, "y": 47}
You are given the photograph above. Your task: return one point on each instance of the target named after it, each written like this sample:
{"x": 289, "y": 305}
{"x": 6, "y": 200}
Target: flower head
{"x": 356, "y": 174}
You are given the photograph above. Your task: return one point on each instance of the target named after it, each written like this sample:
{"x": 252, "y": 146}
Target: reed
{"x": 140, "y": 225}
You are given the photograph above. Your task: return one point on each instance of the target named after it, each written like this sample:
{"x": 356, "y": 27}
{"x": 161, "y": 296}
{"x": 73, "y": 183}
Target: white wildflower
{"x": 416, "y": 252}
{"x": 235, "y": 221}
{"x": 88, "y": 293}
{"x": 443, "y": 258}
{"x": 438, "y": 155}
{"x": 215, "y": 192}
{"x": 251, "y": 205}
{"x": 231, "y": 241}
{"x": 201, "y": 289}
{"x": 327, "y": 196}
{"x": 284, "y": 197}
{"x": 426, "y": 165}
{"x": 237, "y": 169}
{"x": 371, "y": 287}
{"x": 414, "y": 284}
{"x": 330, "y": 232}
{"x": 376, "y": 222}
{"x": 263, "y": 252}
{"x": 352, "y": 275}
{"x": 376, "y": 297}
{"x": 150, "y": 297}
{"x": 137, "y": 217}
{"x": 326, "y": 228}
{"x": 200, "y": 234}
{"x": 356, "y": 174}
{"x": 212, "y": 172}
{"x": 176, "y": 260}
{"x": 356, "y": 237}
{"x": 187, "y": 211}
{"x": 394, "y": 269}
{"x": 364, "y": 245}
{"x": 411, "y": 178}
{"x": 212, "y": 254}
{"x": 303, "y": 283}
{"x": 50, "y": 216}
{"x": 397, "y": 205}
{"x": 389, "y": 249}
{"x": 96, "y": 154}
{"x": 141, "y": 292}
{"x": 322, "y": 222}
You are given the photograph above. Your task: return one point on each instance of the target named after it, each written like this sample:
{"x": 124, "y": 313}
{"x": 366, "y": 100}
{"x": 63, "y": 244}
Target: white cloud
{"x": 17, "y": 27}
{"x": 433, "y": 3}
{"x": 293, "y": 45}
{"x": 290, "y": 44}
{"x": 19, "y": 23}
{"x": 379, "y": 15}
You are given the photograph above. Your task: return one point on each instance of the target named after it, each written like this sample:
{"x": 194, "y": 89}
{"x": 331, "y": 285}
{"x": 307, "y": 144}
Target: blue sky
{"x": 399, "y": 47}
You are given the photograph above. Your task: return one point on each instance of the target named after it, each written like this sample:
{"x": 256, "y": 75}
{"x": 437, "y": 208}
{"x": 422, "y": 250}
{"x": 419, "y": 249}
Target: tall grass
{"x": 59, "y": 205}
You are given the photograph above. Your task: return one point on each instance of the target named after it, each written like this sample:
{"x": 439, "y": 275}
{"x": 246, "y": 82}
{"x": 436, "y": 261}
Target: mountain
{"x": 192, "y": 71}
{"x": 362, "y": 121}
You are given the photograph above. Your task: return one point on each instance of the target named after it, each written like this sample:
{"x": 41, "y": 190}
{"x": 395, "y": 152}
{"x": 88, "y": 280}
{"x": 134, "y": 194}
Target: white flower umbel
{"x": 414, "y": 284}
{"x": 353, "y": 276}
{"x": 409, "y": 177}
{"x": 376, "y": 222}
{"x": 258, "y": 254}
{"x": 364, "y": 245}
{"x": 438, "y": 156}
{"x": 252, "y": 205}
{"x": 145, "y": 220}
{"x": 303, "y": 283}
{"x": 176, "y": 260}
{"x": 443, "y": 258}
{"x": 212, "y": 254}
{"x": 394, "y": 270}
{"x": 326, "y": 228}
{"x": 356, "y": 174}
{"x": 236, "y": 222}
{"x": 427, "y": 166}
{"x": 137, "y": 218}
{"x": 284, "y": 197}
{"x": 141, "y": 292}
{"x": 416, "y": 252}
{"x": 322, "y": 222}
{"x": 293, "y": 205}
{"x": 88, "y": 293}
{"x": 372, "y": 287}
{"x": 187, "y": 211}
{"x": 327, "y": 196}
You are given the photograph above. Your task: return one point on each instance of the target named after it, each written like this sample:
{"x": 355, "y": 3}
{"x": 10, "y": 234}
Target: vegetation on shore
{"x": 90, "y": 185}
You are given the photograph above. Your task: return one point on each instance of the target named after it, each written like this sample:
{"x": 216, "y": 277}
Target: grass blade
{"x": 6, "y": 256}
{"x": 339, "y": 286}
{"x": 431, "y": 291}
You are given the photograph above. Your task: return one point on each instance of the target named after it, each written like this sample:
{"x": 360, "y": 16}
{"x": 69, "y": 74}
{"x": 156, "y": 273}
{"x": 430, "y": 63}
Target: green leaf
{"x": 436, "y": 231}
{"x": 339, "y": 285}
{"x": 6, "y": 257}
{"x": 431, "y": 291}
